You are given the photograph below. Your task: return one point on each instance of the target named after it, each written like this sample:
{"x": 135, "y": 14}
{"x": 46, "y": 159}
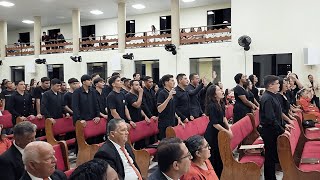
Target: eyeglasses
{"x": 189, "y": 156}
{"x": 206, "y": 147}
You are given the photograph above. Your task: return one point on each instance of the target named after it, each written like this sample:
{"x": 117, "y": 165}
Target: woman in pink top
{"x": 201, "y": 168}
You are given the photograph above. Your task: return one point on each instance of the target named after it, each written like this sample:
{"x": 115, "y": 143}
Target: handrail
{"x": 56, "y": 46}
{"x": 20, "y": 49}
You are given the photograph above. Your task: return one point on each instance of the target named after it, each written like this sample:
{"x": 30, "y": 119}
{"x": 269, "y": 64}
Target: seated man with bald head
{"x": 40, "y": 162}
{"x": 11, "y": 165}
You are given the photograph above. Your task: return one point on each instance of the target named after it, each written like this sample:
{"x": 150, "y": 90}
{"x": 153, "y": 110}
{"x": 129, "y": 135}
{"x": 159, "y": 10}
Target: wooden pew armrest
{"x": 143, "y": 161}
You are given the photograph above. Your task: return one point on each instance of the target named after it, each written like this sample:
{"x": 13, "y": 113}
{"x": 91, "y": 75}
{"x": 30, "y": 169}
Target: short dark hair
{"x": 251, "y": 78}
{"x": 269, "y": 79}
{"x": 55, "y": 81}
{"x": 17, "y": 82}
{"x": 23, "y": 128}
{"x": 126, "y": 80}
{"x": 135, "y": 74}
{"x": 85, "y": 77}
{"x": 94, "y": 169}
{"x": 281, "y": 81}
{"x": 115, "y": 74}
{"x": 97, "y": 80}
{"x": 44, "y": 79}
{"x": 123, "y": 79}
{"x": 72, "y": 80}
{"x": 191, "y": 76}
{"x": 166, "y": 78}
{"x": 179, "y": 77}
{"x": 194, "y": 144}
{"x": 146, "y": 78}
{"x": 132, "y": 81}
{"x": 94, "y": 74}
{"x": 309, "y": 75}
{"x": 168, "y": 151}
{"x": 238, "y": 77}
{"x": 112, "y": 125}
{"x": 113, "y": 79}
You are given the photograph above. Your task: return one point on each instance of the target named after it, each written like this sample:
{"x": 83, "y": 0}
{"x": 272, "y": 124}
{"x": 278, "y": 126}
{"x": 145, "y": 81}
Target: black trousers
{"x": 271, "y": 154}
{"x": 315, "y": 100}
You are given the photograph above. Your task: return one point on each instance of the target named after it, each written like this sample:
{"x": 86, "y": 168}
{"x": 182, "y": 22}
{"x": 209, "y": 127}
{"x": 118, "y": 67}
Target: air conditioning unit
{"x": 311, "y": 56}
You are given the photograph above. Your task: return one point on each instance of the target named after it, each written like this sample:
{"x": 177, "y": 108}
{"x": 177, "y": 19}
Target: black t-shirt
{"x": 250, "y": 96}
{"x": 240, "y": 91}
{"x": 67, "y": 99}
{"x": 285, "y": 104}
{"x": 116, "y": 101}
{"x": 38, "y": 92}
{"x": 6, "y": 96}
{"x": 135, "y": 113}
{"x": 102, "y": 101}
{"x": 167, "y": 116}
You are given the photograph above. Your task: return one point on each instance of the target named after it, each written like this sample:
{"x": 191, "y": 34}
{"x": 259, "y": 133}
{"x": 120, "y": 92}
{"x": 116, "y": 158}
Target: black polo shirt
{"x": 270, "y": 113}
{"x": 135, "y": 113}
{"x": 102, "y": 101}
{"x": 182, "y": 102}
{"x": 6, "y": 95}
{"x": 67, "y": 99}
{"x": 117, "y": 101}
{"x": 38, "y": 92}
{"x": 167, "y": 116}
{"x": 20, "y": 105}
{"x": 52, "y": 105}
{"x": 149, "y": 102}
{"x": 84, "y": 105}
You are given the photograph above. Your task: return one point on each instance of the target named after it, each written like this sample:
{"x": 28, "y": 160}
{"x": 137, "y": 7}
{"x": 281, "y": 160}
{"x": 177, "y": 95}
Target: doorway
{"x": 271, "y": 64}
{"x": 100, "y": 68}
{"x": 17, "y": 73}
{"x": 25, "y": 38}
{"x": 52, "y": 33}
{"x": 55, "y": 71}
{"x": 205, "y": 66}
{"x": 148, "y": 68}
{"x": 87, "y": 31}
{"x": 165, "y": 24}
{"x": 130, "y": 28}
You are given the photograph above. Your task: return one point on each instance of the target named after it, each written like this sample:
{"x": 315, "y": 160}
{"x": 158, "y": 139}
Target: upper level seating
{"x": 141, "y": 132}
{"x": 195, "y": 127}
{"x": 86, "y": 151}
{"x": 61, "y": 127}
{"x": 249, "y": 166}
{"x": 61, "y": 154}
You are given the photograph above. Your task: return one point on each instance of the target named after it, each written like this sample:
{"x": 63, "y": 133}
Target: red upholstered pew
{"x": 293, "y": 149}
{"x": 248, "y": 166}
{"x": 86, "y": 151}
{"x": 61, "y": 154}
{"x": 143, "y": 131}
{"x": 229, "y": 111}
{"x": 40, "y": 125}
{"x": 6, "y": 121}
{"x": 195, "y": 127}
{"x": 61, "y": 127}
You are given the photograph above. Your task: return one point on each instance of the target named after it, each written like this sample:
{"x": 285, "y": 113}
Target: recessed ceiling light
{"x": 28, "y": 21}
{"x": 210, "y": 12}
{"x": 6, "y": 4}
{"x": 163, "y": 17}
{"x": 188, "y": 0}
{"x": 96, "y": 12}
{"x": 138, "y": 6}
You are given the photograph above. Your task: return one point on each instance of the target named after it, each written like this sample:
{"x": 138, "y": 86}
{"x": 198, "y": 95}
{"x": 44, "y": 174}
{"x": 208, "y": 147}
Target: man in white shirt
{"x": 11, "y": 165}
{"x": 118, "y": 153}
{"x": 174, "y": 160}
{"x": 40, "y": 162}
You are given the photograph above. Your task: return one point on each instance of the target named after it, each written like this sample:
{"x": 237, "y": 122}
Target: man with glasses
{"x": 174, "y": 160}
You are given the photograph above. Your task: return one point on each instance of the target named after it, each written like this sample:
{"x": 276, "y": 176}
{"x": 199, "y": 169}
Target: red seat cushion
{"x": 6, "y": 120}
{"x": 69, "y": 172}
{"x": 184, "y": 133}
{"x": 62, "y": 126}
{"x": 142, "y": 131}
{"x": 39, "y": 122}
{"x": 240, "y": 130}
{"x": 93, "y": 130}
{"x": 311, "y": 150}
{"x": 151, "y": 151}
{"x": 312, "y": 134}
{"x": 259, "y": 160}
{"x": 229, "y": 111}
{"x": 60, "y": 161}
{"x": 41, "y": 138}
{"x": 258, "y": 141}
{"x": 201, "y": 123}
{"x": 71, "y": 141}
{"x": 256, "y": 118}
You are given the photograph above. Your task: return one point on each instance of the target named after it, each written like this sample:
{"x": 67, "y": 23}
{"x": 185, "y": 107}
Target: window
{"x": 219, "y": 16}
{"x": 86, "y": 31}
{"x": 130, "y": 28}
{"x": 205, "y": 67}
{"x": 100, "y": 68}
{"x": 165, "y": 23}
{"x": 24, "y": 38}
{"x": 55, "y": 71}
{"x": 52, "y": 33}
{"x": 17, "y": 73}
{"x": 148, "y": 68}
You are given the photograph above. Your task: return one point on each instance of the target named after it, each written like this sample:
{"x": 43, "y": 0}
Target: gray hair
{"x": 23, "y": 128}
{"x": 32, "y": 151}
{"x": 113, "y": 124}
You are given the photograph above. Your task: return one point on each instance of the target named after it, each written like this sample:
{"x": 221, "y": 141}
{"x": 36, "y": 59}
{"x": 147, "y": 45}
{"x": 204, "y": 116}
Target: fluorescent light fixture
{"x": 6, "y": 4}
{"x": 60, "y": 17}
{"x": 163, "y": 17}
{"x": 96, "y": 12}
{"x": 131, "y": 22}
{"x": 28, "y": 21}
{"x": 188, "y": 1}
{"x": 210, "y": 12}
{"x": 138, "y": 6}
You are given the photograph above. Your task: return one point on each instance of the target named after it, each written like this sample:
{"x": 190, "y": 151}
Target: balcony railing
{"x": 148, "y": 39}
{"x": 99, "y": 43}
{"x": 205, "y": 34}
{"x": 56, "y": 46}
{"x": 20, "y": 49}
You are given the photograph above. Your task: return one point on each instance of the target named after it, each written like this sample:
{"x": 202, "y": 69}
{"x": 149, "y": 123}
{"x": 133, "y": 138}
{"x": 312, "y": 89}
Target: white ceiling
{"x": 54, "y": 12}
